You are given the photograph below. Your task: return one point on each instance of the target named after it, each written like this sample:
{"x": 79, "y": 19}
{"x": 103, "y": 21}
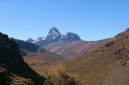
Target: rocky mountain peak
{"x": 54, "y": 32}
{"x": 39, "y": 39}
{"x": 55, "y": 36}
{"x": 30, "y": 40}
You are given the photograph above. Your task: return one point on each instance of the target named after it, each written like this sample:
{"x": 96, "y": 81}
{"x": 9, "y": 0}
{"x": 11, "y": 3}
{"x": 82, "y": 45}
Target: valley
{"x": 100, "y": 64}
{"x": 103, "y": 62}
{"x": 64, "y": 42}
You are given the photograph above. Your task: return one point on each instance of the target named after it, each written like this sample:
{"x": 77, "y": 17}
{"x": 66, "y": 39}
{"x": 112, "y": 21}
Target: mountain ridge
{"x": 54, "y": 36}
{"x": 12, "y": 61}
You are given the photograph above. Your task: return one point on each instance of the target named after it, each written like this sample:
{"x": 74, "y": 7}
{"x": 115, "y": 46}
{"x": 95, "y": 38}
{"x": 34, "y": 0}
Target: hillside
{"x": 13, "y": 69}
{"x": 42, "y": 58}
{"x": 26, "y": 46}
{"x": 74, "y": 48}
{"x": 108, "y": 65}
{"x": 37, "y": 57}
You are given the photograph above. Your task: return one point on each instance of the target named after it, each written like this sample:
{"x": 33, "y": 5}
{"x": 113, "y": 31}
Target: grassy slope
{"x": 102, "y": 67}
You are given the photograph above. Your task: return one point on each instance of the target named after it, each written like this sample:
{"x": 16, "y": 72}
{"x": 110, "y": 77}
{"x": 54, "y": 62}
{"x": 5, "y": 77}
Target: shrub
{"x": 4, "y": 77}
{"x": 62, "y": 78}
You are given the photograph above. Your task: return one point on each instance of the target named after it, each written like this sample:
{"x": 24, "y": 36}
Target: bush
{"x": 62, "y": 78}
{"x": 4, "y": 77}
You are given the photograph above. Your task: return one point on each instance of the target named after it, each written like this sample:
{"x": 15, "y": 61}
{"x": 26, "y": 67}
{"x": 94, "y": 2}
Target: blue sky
{"x": 90, "y": 19}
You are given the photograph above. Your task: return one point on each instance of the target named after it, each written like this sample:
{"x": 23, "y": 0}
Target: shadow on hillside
{"x": 25, "y": 71}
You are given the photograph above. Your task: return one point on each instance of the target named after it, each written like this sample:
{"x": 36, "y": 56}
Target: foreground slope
{"x": 17, "y": 70}
{"x": 108, "y": 65}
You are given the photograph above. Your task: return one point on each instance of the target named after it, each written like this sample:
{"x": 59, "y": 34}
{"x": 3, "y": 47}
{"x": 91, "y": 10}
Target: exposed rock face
{"x": 53, "y": 35}
{"x": 11, "y": 60}
{"x": 71, "y": 37}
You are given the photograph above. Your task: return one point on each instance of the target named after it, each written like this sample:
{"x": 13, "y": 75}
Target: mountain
{"x": 39, "y": 41}
{"x": 69, "y": 45}
{"x": 26, "y": 47}
{"x": 13, "y": 68}
{"x": 30, "y": 40}
{"x": 55, "y": 36}
{"x": 107, "y": 65}
{"x": 31, "y": 50}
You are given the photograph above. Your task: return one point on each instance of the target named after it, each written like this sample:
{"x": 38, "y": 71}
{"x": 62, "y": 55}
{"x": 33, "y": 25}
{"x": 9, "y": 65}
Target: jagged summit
{"x": 53, "y": 32}
{"x": 54, "y": 35}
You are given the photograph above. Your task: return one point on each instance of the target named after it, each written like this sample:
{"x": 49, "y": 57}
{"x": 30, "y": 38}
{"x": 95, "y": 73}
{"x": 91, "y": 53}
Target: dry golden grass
{"x": 17, "y": 80}
{"x": 103, "y": 67}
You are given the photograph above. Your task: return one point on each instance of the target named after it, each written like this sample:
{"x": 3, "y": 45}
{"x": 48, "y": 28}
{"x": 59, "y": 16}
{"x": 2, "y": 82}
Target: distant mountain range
{"x": 54, "y": 36}
{"x": 68, "y": 46}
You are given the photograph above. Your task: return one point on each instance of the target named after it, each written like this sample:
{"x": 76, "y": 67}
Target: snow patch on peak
{"x": 39, "y": 39}
{"x": 54, "y": 32}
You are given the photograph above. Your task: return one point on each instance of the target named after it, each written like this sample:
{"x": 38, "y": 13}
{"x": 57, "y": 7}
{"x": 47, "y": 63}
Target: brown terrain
{"x": 106, "y": 65}
{"x": 74, "y": 48}
{"x": 102, "y": 62}
{"x": 42, "y": 60}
